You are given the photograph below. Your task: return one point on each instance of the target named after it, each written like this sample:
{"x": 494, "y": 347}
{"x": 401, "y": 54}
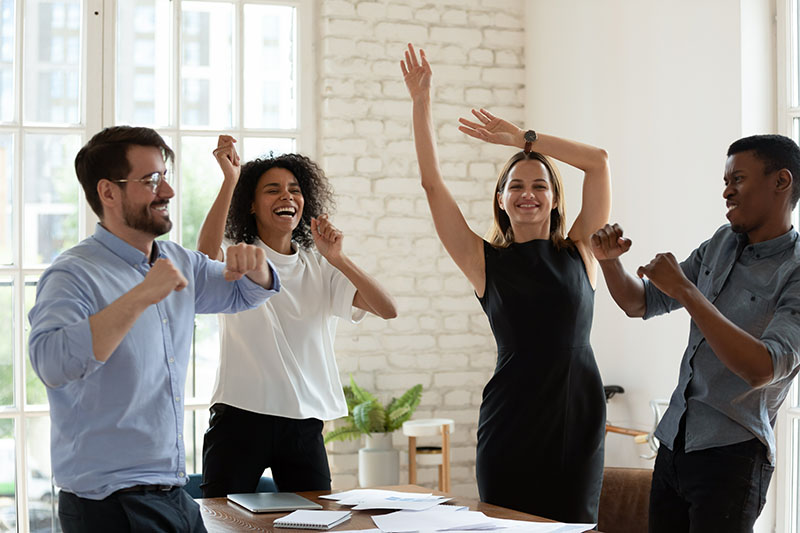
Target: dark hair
{"x": 777, "y": 152}
{"x": 317, "y": 197}
{"x": 105, "y": 156}
{"x": 501, "y": 234}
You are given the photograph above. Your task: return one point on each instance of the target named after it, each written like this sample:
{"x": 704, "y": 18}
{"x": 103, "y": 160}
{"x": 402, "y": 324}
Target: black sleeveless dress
{"x": 542, "y": 419}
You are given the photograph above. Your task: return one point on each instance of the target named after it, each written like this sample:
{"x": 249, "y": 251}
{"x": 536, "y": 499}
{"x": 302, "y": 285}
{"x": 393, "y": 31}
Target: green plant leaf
{"x": 410, "y": 399}
{"x": 360, "y": 394}
{"x": 370, "y": 417}
{"x": 351, "y": 400}
{"x": 343, "y": 433}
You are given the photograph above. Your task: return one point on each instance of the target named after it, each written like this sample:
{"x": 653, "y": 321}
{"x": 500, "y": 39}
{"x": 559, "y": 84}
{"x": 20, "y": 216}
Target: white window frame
{"x": 788, "y": 447}
{"x": 98, "y": 79}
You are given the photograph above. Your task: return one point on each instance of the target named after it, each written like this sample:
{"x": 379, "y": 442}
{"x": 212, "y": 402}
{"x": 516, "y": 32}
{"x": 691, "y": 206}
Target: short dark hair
{"x": 317, "y": 197}
{"x": 777, "y": 152}
{"x": 105, "y": 156}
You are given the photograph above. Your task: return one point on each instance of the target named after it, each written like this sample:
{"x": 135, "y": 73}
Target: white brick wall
{"x": 441, "y": 337}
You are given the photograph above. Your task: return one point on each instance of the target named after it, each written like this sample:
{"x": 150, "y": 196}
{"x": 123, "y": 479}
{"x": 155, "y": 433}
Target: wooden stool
{"x": 429, "y": 455}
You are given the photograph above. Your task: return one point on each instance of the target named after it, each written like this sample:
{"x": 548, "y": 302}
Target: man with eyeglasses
{"x": 111, "y": 334}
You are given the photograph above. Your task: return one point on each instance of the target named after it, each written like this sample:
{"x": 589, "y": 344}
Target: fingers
{"x": 403, "y": 67}
{"x": 469, "y": 123}
{"x": 478, "y": 134}
{"x": 241, "y": 259}
{"x": 488, "y": 115}
{"x": 480, "y": 116}
{"x": 414, "y": 63}
{"x": 323, "y": 227}
{"x": 225, "y": 139}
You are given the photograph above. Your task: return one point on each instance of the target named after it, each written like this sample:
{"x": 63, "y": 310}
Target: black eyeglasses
{"x": 153, "y": 180}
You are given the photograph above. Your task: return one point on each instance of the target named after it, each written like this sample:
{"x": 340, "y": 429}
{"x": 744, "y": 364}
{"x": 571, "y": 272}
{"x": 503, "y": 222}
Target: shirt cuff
{"x": 80, "y": 350}
{"x": 783, "y": 364}
{"x": 251, "y": 287}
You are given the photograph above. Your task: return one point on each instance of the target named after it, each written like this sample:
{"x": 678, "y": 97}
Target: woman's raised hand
{"x": 227, "y": 158}
{"x": 491, "y": 129}
{"x": 416, "y": 72}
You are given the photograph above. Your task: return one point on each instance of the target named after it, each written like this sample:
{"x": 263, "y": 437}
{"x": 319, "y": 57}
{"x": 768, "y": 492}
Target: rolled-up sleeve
{"x": 656, "y": 302}
{"x": 216, "y": 295}
{"x": 782, "y": 334}
{"x": 60, "y": 342}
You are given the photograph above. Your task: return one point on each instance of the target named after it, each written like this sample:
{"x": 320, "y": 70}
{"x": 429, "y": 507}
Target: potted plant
{"x": 378, "y": 461}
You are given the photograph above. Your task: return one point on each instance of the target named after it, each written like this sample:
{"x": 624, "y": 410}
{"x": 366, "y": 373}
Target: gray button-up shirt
{"x": 757, "y": 287}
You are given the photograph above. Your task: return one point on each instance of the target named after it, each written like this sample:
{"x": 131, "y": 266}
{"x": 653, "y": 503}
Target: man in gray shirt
{"x": 742, "y": 291}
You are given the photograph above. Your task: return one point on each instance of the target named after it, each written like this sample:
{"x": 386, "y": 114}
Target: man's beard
{"x": 142, "y": 219}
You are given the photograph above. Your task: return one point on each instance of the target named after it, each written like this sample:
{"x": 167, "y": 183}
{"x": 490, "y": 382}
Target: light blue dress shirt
{"x": 120, "y": 423}
{"x": 757, "y": 287}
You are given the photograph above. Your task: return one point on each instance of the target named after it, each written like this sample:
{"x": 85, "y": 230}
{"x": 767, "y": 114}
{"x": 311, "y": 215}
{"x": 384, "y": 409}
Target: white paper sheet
{"x": 431, "y": 520}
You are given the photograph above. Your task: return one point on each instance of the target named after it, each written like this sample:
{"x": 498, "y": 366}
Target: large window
{"x": 788, "y": 430}
{"x": 189, "y": 69}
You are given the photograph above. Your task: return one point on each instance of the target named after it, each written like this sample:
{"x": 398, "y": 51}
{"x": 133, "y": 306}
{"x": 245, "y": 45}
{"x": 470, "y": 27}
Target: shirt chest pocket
{"x": 750, "y": 311}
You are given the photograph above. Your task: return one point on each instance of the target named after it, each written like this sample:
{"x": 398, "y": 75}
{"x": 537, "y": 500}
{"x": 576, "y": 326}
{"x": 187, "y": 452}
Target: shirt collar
{"x": 772, "y": 246}
{"x": 125, "y": 251}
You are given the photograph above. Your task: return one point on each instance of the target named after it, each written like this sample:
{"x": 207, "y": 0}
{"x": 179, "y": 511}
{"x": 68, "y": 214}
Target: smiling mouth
{"x": 285, "y": 212}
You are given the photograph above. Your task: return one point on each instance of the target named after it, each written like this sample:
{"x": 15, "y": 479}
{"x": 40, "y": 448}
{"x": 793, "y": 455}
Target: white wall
{"x": 665, "y": 87}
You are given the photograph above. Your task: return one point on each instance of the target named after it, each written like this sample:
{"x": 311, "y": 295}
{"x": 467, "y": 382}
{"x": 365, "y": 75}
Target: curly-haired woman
{"x": 277, "y": 379}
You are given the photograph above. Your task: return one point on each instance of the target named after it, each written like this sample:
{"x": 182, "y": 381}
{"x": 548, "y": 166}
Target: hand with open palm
{"x": 416, "y": 73}
{"x": 492, "y": 129}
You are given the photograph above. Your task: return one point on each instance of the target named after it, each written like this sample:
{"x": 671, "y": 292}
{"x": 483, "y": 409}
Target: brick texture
{"x": 441, "y": 337}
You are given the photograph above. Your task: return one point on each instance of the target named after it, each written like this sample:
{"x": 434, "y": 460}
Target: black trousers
{"x": 240, "y": 444}
{"x": 145, "y": 511}
{"x": 718, "y": 489}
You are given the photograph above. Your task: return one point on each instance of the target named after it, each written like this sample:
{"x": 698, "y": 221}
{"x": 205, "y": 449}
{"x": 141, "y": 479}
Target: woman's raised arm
{"x": 209, "y": 240}
{"x": 463, "y": 245}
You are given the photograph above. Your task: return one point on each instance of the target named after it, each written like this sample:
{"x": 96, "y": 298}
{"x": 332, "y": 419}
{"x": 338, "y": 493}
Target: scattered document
{"x": 365, "y": 499}
{"x": 432, "y": 520}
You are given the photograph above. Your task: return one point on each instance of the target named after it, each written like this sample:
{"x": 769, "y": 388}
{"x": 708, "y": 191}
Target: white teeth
{"x": 285, "y": 212}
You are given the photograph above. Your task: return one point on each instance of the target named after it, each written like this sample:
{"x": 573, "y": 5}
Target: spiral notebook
{"x": 305, "y": 519}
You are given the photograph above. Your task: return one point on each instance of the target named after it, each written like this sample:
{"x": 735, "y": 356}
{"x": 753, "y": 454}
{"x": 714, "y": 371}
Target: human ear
{"x": 784, "y": 180}
{"x": 108, "y": 192}
{"x": 500, "y": 201}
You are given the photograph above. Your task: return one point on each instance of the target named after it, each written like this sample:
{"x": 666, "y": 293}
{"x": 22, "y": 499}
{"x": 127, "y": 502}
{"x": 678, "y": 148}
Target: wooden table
{"x": 220, "y": 515}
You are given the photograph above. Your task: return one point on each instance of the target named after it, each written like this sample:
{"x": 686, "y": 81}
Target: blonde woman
{"x": 542, "y": 418}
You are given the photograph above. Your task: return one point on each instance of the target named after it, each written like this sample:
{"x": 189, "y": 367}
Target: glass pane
{"x": 35, "y": 393}
{"x": 195, "y": 424}
{"x": 7, "y": 233}
{"x": 8, "y": 479}
{"x": 200, "y": 181}
{"x": 207, "y": 64}
{"x": 52, "y": 62}
{"x": 794, "y": 491}
{"x": 7, "y": 345}
{"x": 796, "y": 129}
{"x": 270, "y": 58}
{"x": 42, "y": 495}
{"x": 261, "y": 146}
{"x": 796, "y": 58}
{"x": 144, "y": 80}
{"x": 7, "y": 38}
{"x": 202, "y": 372}
{"x": 50, "y": 191}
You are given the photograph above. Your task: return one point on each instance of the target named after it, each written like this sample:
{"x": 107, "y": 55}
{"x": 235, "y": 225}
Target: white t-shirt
{"x": 278, "y": 359}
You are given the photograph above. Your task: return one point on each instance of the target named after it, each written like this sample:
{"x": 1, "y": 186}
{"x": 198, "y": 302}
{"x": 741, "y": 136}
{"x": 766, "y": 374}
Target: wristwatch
{"x": 530, "y": 138}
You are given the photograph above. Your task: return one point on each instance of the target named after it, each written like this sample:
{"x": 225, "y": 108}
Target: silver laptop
{"x": 272, "y": 502}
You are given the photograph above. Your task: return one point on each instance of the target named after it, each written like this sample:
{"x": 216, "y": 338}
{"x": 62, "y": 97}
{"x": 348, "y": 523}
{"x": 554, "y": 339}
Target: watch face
{"x": 530, "y": 136}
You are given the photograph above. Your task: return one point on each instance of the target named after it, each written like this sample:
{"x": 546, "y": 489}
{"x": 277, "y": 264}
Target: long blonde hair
{"x": 501, "y": 234}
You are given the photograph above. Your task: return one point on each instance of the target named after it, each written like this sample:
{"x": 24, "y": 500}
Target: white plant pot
{"x": 378, "y": 462}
